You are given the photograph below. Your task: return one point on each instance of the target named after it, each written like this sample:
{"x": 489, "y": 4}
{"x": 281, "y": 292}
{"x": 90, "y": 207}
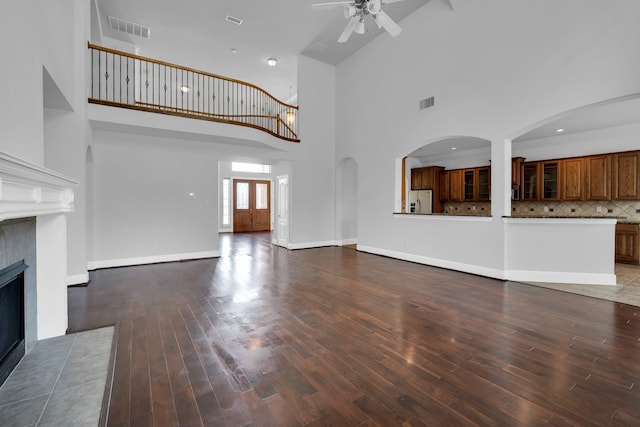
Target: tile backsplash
{"x": 468, "y": 208}
{"x": 625, "y": 209}
{"x": 618, "y": 209}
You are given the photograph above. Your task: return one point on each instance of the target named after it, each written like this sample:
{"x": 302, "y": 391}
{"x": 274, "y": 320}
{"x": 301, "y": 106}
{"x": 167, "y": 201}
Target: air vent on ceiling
{"x": 138, "y": 30}
{"x": 427, "y": 102}
{"x": 234, "y": 20}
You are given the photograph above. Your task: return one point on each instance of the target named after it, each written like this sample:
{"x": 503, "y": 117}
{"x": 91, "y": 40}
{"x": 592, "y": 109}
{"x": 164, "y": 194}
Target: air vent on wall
{"x": 234, "y": 20}
{"x": 427, "y": 102}
{"x": 132, "y": 28}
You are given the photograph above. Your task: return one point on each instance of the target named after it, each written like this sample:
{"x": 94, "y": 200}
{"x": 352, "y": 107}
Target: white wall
{"x": 66, "y": 135}
{"x": 312, "y": 185}
{"x": 494, "y": 67}
{"x": 347, "y": 202}
{"x": 34, "y": 34}
{"x": 143, "y": 211}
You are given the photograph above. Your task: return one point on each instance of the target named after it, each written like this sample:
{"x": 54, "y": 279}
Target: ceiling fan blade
{"x": 383, "y": 20}
{"x": 331, "y": 5}
{"x": 351, "y": 25}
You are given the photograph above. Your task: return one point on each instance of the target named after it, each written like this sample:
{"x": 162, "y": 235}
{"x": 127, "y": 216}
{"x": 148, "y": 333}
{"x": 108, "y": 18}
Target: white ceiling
{"x": 617, "y": 112}
{"x": 196, "y": 31}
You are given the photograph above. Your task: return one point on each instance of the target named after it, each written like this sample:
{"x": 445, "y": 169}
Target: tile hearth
{"x": 60, "y": 373}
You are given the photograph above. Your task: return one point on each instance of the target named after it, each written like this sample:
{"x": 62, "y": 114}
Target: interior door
{"x": 251, "y": 205}
{"x": 283, "y": 211}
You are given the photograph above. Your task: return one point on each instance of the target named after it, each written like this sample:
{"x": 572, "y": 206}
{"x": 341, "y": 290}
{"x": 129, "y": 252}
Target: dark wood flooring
{"x": 263, "y": 336}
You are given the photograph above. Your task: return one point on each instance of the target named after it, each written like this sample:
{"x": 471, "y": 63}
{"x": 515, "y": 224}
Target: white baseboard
{"x": 345, "y": 242}
{"x": 561, "y": 277}
{"x": 78, "y": 279}
{"x": 123, "y": 262}
{"x": 436, "y": 262}
{"x": 309, "y": 245}
{"x": 514, "y": 275}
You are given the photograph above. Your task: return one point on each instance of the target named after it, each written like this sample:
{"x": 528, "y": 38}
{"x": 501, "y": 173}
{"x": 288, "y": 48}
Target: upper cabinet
{"x": 550, "y": 180}
{"x": 573, "y": 179}
{"x": 601, "y": 177}
{"x": 444, "y": 186}
{"x": 465, "y": 185}
{"x": 484, "y": 183}
{"x": 427, "y": 178}
{"x": 541, "y": 180}
{"x": 626, "y": 176}
{"x": 516, "y": 169}
{"x": 598, "y": 177}
{"x": 456, "y": 189}
{"x": 529, "y": 176}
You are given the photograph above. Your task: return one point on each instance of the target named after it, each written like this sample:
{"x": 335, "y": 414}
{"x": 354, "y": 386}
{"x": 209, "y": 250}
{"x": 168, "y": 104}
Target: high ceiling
{"x": 195, "y": 33}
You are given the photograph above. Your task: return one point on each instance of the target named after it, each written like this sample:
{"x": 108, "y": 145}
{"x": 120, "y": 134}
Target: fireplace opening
{"x": 12, "y": 342}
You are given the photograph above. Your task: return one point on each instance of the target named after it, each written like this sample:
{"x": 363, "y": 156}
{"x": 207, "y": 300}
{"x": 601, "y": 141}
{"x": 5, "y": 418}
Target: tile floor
{"x": 58, "y": 374}
{"x": 626, "y": 291}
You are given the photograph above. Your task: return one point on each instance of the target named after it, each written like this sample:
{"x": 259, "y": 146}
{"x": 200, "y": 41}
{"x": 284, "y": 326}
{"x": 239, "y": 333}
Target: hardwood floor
{"x": 263, "y": 336}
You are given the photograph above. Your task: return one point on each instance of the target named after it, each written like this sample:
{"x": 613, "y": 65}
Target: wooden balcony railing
{"x": 121, "y": 79}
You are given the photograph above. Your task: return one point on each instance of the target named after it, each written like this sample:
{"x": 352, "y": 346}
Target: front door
{"x": 251, "y": 205}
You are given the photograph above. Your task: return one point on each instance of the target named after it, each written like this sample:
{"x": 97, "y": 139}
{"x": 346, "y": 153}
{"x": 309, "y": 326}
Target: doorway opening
{"x": 251, "y": 205}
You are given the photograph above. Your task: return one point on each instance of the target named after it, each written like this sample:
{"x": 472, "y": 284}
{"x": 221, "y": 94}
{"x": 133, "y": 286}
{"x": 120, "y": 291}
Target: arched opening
{"x": 452, "y": 174}
{"x": 574, "y": 163}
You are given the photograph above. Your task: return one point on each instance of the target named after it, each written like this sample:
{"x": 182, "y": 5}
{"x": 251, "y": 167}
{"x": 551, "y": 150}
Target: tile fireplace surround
{"x": 34, "y": 202}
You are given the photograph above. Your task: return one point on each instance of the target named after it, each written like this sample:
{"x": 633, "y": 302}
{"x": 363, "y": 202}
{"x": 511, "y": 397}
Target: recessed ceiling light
{"x": 560, "y": 130}
{"x": 453, "y": 148}
{"x": 234, "y": 50}
{"x": 271, "y": 62}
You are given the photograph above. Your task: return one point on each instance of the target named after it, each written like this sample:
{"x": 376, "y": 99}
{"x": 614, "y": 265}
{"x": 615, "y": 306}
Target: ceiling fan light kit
{"x": 356, "y": 11}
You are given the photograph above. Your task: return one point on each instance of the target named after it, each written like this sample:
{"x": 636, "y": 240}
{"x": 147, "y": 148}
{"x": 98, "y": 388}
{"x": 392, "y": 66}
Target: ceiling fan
{"x": 356, "y": 10}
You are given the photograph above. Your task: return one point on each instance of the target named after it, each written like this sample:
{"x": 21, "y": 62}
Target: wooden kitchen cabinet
{"x": 550, "y": 184}
{"x": 426, "y": 178}
{"x": 598, "y": 177}
{"x": 469, "y": 184}
{"x": 416, "y": 179}
{"x": 516, "y": 169}
{"x": 483, "y": 192}
{"x": 456, "y": 187}
{"x": 444, "y": 186}
{"x": 627, "y": 243}
{"x": 573, "y": 172}
{"x": 529, "y": 177}
{"x": 626, "y": 176}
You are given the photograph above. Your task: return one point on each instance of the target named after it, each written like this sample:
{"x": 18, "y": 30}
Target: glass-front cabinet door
{"x": 530, "y": 181}
{"x": 550, "y": 180}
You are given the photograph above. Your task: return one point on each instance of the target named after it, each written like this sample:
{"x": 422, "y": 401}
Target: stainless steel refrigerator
{"x": 421, "y": 201}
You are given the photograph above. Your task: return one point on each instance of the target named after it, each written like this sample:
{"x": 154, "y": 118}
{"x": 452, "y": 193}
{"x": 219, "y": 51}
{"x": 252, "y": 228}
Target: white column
{"x": 51, "y": 253}
{"x": 500, "y": 177}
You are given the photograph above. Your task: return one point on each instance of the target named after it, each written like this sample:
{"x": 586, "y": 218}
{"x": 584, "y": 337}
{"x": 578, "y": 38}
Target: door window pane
{"x": 242, "y": 195}
{"x": 261, "y": 196}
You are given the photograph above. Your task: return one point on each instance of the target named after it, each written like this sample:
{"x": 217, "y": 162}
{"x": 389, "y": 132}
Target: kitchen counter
{"x": 619, "y": 218}
{"x": 441, "y": 214}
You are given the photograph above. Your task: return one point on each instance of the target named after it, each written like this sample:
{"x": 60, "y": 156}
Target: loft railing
{"x": 121, "y": 79}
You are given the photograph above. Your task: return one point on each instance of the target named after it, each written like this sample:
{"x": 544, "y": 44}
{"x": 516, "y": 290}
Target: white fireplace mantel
{"x": 28, "y": 190}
